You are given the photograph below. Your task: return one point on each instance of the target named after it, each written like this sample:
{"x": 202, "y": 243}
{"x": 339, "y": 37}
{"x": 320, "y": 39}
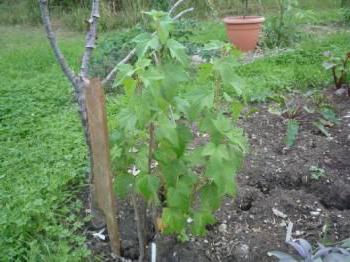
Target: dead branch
{"x": 183, "y": 13}
{"x": 90, "y": 38}
{"x": 53, "y": 42}
{"x": 115, "y": 69}
{"x": 172, "y": 9}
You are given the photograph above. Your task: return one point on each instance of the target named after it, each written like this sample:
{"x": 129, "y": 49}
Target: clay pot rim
{"x": 244, "y": 20}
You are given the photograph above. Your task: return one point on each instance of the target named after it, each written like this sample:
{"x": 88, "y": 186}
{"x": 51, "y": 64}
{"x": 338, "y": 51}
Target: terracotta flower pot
{"x": 243, "y": 32}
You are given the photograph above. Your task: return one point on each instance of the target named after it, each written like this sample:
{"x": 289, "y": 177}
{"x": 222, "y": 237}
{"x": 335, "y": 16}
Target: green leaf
{"x": 125, "y": 71}
{"x": 171, "y": 171}
{"x": 124, "y": 184}
{"x": 205, "y": 73}
{"x": 127, "y": 119}
{"x": 214, "y": 45}
{"x": 322, "y": 128}
{"x": 144, "y": 42}
{"x": 227, "y": 71}
{"x": 163, "y": 30}
{"x": 180, "y": 196}
{"x": 210, "y": 197}
{"x": 129, "y": 87}
{"x": 202, "y": 97}
{"x": 222, "y": 124}
{"x": 330, "y": 115}
{"x": 177, "y": 51}
{"x": 151, "y": 77}
{"x": 174, "y": 220}
{"x": 167, "y": 131}
{"x": 236, "y": 108}
{"x": 292, "y": 132}
{"x": 148, "y": 186}
{"x": 219, "y": 151}
{"x": 222, "y": 173}
{"x": 200, "y": 220}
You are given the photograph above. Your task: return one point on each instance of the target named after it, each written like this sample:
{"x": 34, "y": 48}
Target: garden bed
{"x": 273, "y": 178}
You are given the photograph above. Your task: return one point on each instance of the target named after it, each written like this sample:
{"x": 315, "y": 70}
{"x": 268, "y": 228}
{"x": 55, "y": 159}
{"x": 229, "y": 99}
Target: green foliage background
{"x": 125, "y": 13}
{"x": 42, "y": 152}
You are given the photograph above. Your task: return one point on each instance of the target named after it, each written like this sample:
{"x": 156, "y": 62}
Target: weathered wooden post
{"x": 101, "y": 179}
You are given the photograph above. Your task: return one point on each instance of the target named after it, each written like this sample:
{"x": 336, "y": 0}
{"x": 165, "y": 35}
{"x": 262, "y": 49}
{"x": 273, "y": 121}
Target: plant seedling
{"x": 339, "y": 67}
{"x": 317, "y": 173}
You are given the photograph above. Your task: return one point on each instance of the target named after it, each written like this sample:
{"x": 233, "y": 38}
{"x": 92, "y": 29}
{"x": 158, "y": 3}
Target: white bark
{"x": 53, "y": 42}
{"x": 90, "y": 39}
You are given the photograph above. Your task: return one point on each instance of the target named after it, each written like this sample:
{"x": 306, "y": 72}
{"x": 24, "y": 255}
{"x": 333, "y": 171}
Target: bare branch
{"x": 115, "y": 69}
{"x": 183, "y": 13}
{"x": 53, "y": 42}
{"x": 172, "y": 9}
{"x": 90, "y": 38}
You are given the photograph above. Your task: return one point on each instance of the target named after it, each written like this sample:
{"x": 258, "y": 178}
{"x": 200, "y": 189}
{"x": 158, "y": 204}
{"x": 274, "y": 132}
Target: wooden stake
{"x": 103, "y": 195}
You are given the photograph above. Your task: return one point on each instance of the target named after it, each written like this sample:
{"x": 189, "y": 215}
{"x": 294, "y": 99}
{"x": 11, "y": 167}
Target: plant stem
{"x": 140, "y": 231}
{"x": 245, "y": 4}
{"x": 151, "y": 146}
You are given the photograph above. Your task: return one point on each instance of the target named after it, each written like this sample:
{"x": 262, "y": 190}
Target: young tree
{"x": 88, "y": 92}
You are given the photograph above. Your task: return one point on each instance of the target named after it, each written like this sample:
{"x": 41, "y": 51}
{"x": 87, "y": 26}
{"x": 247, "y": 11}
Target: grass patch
{"x": 42, "y": 153}
{"x": 300, "y": 68}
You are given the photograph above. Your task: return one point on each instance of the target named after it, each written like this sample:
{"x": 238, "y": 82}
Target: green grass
{"x": 42, "y": 152}
{"x": 300, "y": 68}
{"x": 73, "y": 16}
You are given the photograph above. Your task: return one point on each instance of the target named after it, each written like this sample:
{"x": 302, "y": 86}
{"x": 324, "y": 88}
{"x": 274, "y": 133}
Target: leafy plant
{"x": 292, "y": 132}
{"x": 164, "y": 98}
{"x": 306, "y": 109}
{"x": 281, "y": 30}
{"x": 339, "y": 68}
{"x": 346, "y": 15}
{"x": 245, "y": 3}
{"x": 307, "y": 254}
{"x": 317, "y": 172}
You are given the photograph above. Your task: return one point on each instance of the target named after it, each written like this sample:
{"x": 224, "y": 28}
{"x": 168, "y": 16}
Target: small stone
{"x": 278, "y": 213}
{"x": 223, "y": 228}
{"x": 315, "y": 213}
{"x": 341, "y": 91}
{"x": 299, "y": 233}
{"x": 206, "y": 241}
{"x": 242, "y": 251}
{"x": 196, "y": 59}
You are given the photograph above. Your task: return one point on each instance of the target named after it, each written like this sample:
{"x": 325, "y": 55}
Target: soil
{"x": 273, "y": 178}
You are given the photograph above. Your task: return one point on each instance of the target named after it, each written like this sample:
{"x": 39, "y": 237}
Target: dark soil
{"x": 276, "y": 178}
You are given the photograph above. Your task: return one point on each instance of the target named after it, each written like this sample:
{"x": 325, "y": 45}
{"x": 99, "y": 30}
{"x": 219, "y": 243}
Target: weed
{"x": 42, "y": 154}
{"x": 339, "y": 68}
{"x": 317, "y": 173}
{"x": 282, "y": 30}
